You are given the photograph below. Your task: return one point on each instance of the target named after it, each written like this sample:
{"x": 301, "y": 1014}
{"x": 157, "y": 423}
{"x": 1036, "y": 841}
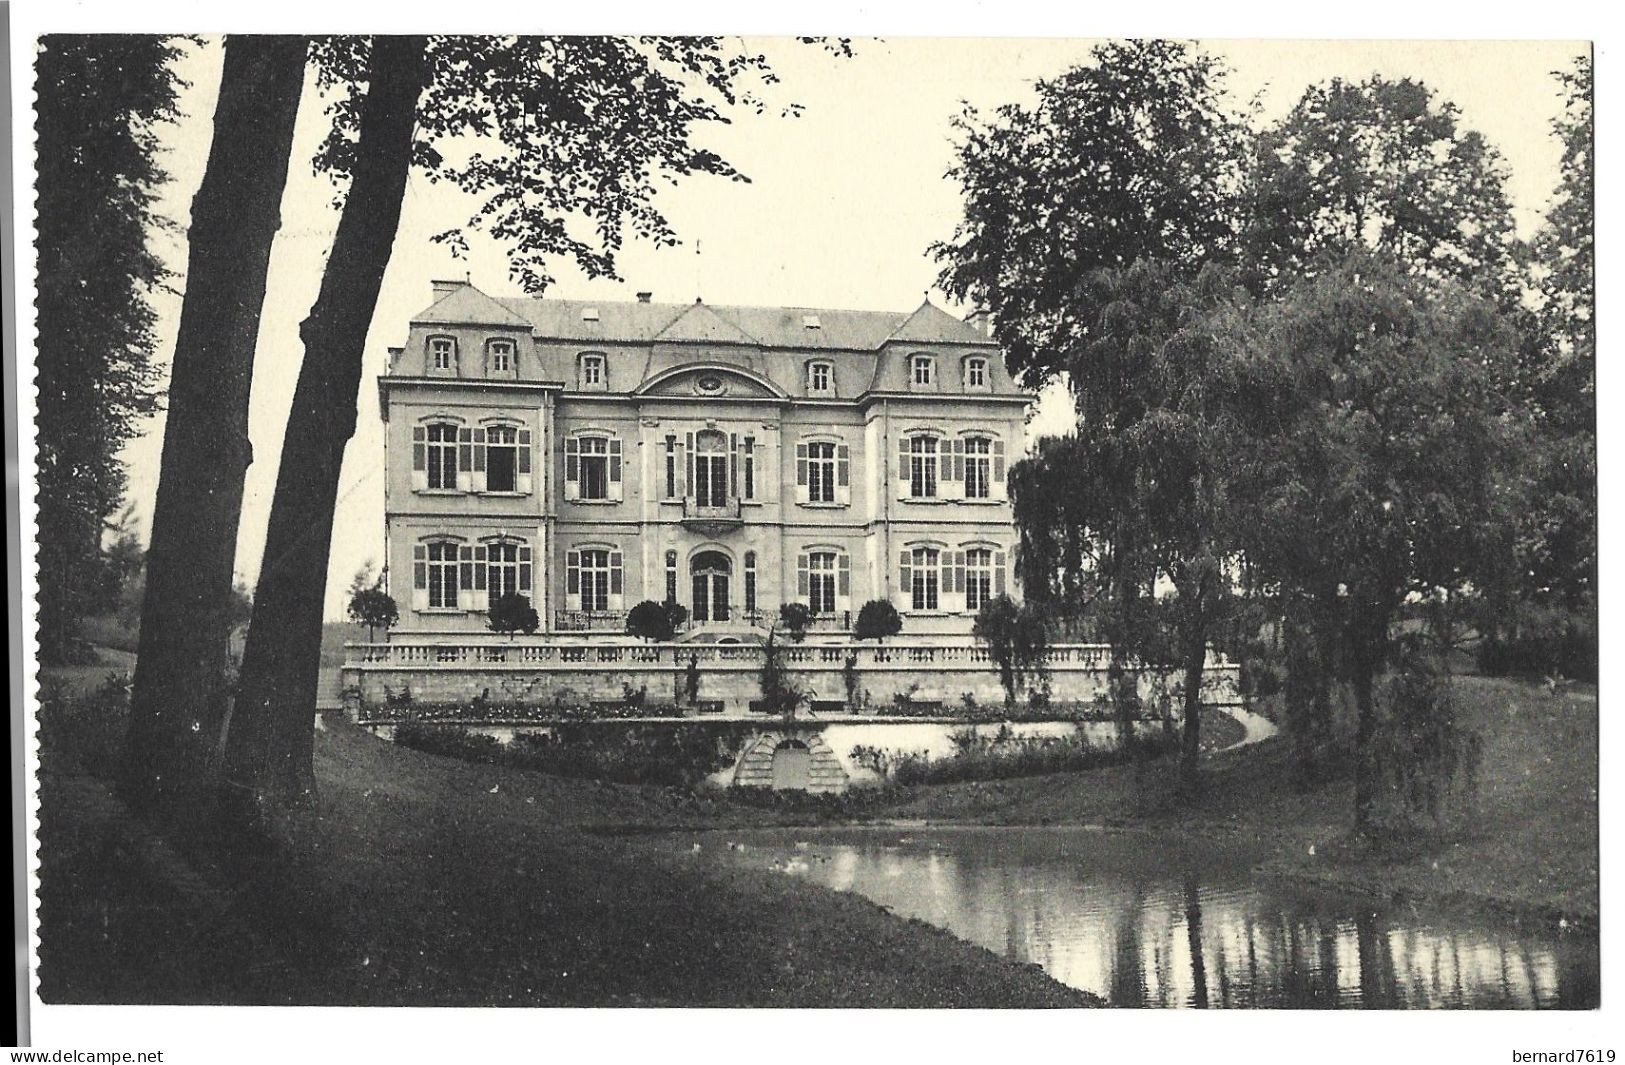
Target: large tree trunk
{"x": 1367, "y": 643}
{"x": 269, "y": 746}
{"x": 179, "y": 699}
{"x": 1194, "y": 652}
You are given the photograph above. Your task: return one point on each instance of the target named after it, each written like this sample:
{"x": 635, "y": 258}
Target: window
{"x": 710, "y": 485}
{"x": 501, "y": 459}
{"x": 671, "y": 577}
{"x": 507, "y": 569}
{"x": 435, "y": 572}
{"x": 592, "y": 468}
{"x": 922, "y": 577}
{"x": 978, "y": 467}
{"x": 440, "y": 460}
{"x": 820, "y": 472}
{"x": 750, "y": 582}
{"x": 500, "y": 357}
{"x": 922, "y": 466}
{"x": 924, "y": 371}
{"x": 442, "y": 354}
{"x": 819, "y": 376}
{"x": 978, "y": 577}
{"x": 750, "y": 468}
{"x": 592, "y": 575}
{"x": 821, "y": 582}
{"x": 671, "y": 468}
{"x": 975, "y": 373}
{"x": 592, "y": 371}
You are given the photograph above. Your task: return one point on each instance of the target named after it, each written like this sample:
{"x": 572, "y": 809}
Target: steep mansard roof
{"x": 768, "y": 327}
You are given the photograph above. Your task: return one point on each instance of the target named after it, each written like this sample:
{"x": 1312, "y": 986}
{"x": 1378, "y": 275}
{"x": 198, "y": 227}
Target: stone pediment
{"x": 710, "y": 381}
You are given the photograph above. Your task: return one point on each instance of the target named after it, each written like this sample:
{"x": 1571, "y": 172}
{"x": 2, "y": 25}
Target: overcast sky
{"x": 843, "y": 203}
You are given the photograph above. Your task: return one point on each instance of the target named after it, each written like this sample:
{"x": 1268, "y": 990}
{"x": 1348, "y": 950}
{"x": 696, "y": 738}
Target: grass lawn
{"x": 424, "y": 880}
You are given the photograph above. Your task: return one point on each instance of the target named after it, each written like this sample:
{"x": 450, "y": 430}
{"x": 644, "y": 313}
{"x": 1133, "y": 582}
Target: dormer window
{"x": 923, "y": 371}
{"x": 810, "y": 321}
{"x": 976, "y": 373}
{"x": 589, "y": 314}
{"x": 820, "y": 377}
{"x": 500, "y": 358}
{"x": 592, "y": 371}
{"x": 442, "y": 354}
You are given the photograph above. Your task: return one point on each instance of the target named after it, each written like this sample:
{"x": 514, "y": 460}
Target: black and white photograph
{"x": 856, "y": 521}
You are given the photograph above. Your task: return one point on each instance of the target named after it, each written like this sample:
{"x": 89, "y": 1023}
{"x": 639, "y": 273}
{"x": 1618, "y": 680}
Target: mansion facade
{"x": 592, "y": 455}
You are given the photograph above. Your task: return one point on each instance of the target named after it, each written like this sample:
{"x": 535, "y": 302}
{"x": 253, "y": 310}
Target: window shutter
{"x": 803, "y": 578}
{"x": 906, "y": 577}
{"x": 957, "y": 465}
{"x": 479, "y": 460}
{"x": 843, "y": 579}
{"x": 616, "y": 581}
{"x": 481, "y": 558}
{"x": 958, "y": 578}
{"x": 420, "y": 577}
{"x": 419, "y": 437}
{"x": 465, "y": 577}
{"x": 524, "y": 568}
{"x": 688, "y": 482}
{"x": 684, "y": 475}
{"x": 902, "y": 463}
{"x": 465, "y": 460}
{"x": 750, "y": 468}
{"x": 615, "y": 488}
{"x": 998, "y": 461}
{"x": 572, "y": 580}
{"x": 524, "y": 450}
{"x": 801, "y": 466}
{"x": 843, "y": 474}
{"x": 733, "y": 465}
{"x": 572, "y": 469}
{"x": 998, "y": 573}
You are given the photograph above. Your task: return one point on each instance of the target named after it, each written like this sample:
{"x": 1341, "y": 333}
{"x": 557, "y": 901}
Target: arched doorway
{"x": 792, "y": 766}
{"x": 711, "y": 570}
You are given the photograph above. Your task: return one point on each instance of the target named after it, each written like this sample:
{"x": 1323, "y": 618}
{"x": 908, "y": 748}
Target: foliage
{"x": 374, "y": 608}
{"x": 659, "y": 622}
{"x": 691, "y": 680}
{"x": 512, "y": 613}
{"x": 101, "y": 103}
{"x": 86, "y": 729}
{"x": 1002, "y": 754}
{"x": 1539, "y": 640}
{"x": 780, "y": 695}
{"x": 1384, "y": 166}
{"x": 1422, "y": 755}
{"x": 877, "y": 619}
{"x": 795, "y": 619}
{"x": 1135, "y": 155}
{"x": 1016, "y": 638}
{"x": 661, "y": 756}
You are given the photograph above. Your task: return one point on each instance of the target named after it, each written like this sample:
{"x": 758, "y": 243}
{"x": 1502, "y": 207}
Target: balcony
{"x": 589, "y": 621}
{"x": 711, "y": 520}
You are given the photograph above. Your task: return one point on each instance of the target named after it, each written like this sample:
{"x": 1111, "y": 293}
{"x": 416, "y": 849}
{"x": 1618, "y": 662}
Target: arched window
{"x": 593, "y": 579}
{"x": 978, "y": 467}
{"x": 671, "y": 577}
{"x": 434, "y": 575}
{"x": 823, "y": 472}
{"x": 921, "y": 578}
{"x": 824, "y": 580}
{"x": 592, "y": 467}
{"x": 917, "y": 470}
{"x": 434, "y": 457}
{"x": 507, "y": 568}
{"x": 442, "y": 355}
{"x": 710, "y": 484}
{"x": 978, "y": 577}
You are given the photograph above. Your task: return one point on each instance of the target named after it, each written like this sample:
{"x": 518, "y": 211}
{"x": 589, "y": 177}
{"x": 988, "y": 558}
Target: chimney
{"x": 442, "y": 289}
{"x": 645, "y": 297}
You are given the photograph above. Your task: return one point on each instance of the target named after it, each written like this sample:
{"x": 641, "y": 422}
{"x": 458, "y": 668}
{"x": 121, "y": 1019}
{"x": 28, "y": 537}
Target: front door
{"x": 711, "y": 570}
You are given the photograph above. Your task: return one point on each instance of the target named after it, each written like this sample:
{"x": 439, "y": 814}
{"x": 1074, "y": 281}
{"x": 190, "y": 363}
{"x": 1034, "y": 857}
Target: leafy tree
{"x": 1016, "y": 637}
{"x": 512, "y": 613}
{"x": 580, "y": 131}
{"x": 374, "y": 608}
{"x": 124, "y": 557}
{"x": 1388, "y": 467}
{"x": 177, "y": 703}
{"x": 101, "y": 102}
{"x": 795, "y": 618}
{"x": 780, "y": 695}
{"x": 1382, "y": 165}
{"x": 877, "y": 619}
{"x": 650, "y": 620}
{"x": 1135, "y": 155}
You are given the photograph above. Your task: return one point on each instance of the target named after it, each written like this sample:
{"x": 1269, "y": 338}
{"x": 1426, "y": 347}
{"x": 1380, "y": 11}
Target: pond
{"x": 1174, "y": 926}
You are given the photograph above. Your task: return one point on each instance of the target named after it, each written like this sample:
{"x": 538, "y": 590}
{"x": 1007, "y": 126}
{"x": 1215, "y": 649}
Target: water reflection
{"x": 1180, "y": 929}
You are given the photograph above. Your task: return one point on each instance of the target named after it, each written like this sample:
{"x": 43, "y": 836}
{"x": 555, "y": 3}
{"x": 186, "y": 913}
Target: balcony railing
{"x": 704, "y": 517}
{"x": 835, "y": 621}
{"x": 589, "y": 621}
